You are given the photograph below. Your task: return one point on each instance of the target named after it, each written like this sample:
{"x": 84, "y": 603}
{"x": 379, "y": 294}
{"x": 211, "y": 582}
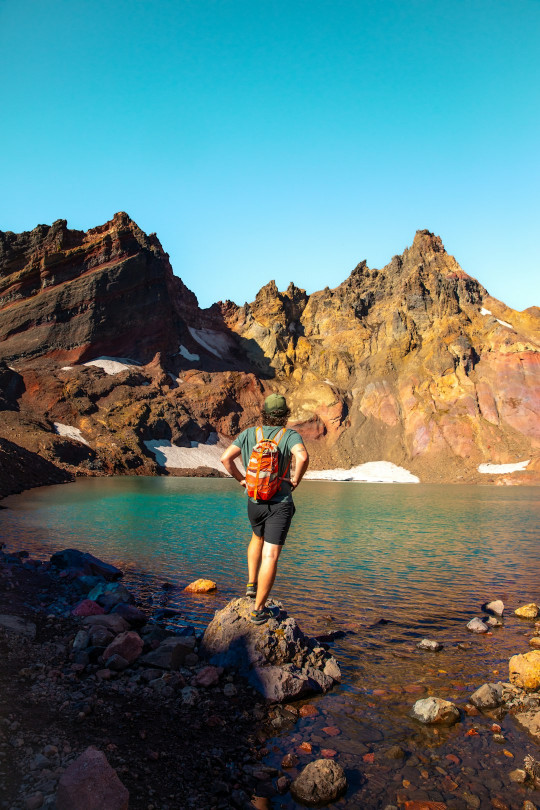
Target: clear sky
{"x": 280, "y": 139}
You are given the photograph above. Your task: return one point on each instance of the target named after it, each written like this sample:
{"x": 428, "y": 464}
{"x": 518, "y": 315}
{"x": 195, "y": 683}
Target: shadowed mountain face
{"x": 414, "y": 364}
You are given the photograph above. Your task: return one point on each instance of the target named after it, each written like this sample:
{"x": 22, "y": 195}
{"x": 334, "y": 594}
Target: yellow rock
{"x": 535, "y": 642}
{"x": 525, "y": 670}
{"x": 529, "y": 611}
{"x": 201, "y": 586}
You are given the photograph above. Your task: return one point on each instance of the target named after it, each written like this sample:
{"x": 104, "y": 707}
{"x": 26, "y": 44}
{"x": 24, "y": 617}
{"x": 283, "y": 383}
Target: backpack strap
{"x": 278, "y": 437}
{"x": 259, "y": 435}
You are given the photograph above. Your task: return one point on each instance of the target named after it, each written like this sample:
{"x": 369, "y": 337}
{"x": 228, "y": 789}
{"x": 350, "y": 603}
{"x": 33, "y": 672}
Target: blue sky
{"x": 273, "y": 139}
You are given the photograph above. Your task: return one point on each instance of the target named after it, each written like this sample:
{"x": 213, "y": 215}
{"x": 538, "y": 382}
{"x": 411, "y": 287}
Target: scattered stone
{"x": 530, "y": 611}
{"x": 332, "y": 731}
{"x": 88, "y": 608}
{"x": 283, "y": 783}
{"x": 525, "y": 670}
{"x": 171, "y": 653}
{"x": 308, "y": 710}
{"x": 488, "y": 696}
{"x": 132, "y": 615}
{"x": 476, "y": 625}
{"x": 328, "y": 753}
{"x": 129, "y": 645}
{"x": 427, "y": 644}
{"x": 290, "y": 761}
{"x": 230, "y": 690}
{"x": 208, "y": 676}
{"x": 15, "y": 624}
{"x": 493, "y": 621}
{"x": 535, "y": 642}
{"x": 190, "y": 696}
{"x": 116, "y": 663}
{"x": 394, "y": 752}
{"x": 113, "y": 622}
{"x": 435, "y": 710}
{"x": 531, "y": 722}
{"x": 89, "y": 783}
{"x": 201, "y": 586}
{"x": 496, "y": 607}
{"x": 528, "y": 805}
{"x": 34, "y": 801}
{"x": 321, "y": 782}
{"x": 518, "y": 775}
{"x": 81, "y": 640}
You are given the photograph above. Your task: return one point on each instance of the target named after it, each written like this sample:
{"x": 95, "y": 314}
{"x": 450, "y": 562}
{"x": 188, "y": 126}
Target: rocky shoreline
{"x": 89, "y": 684}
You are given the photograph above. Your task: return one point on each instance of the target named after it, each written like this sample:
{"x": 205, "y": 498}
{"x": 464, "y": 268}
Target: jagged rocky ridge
{"x": 414, "y": 364}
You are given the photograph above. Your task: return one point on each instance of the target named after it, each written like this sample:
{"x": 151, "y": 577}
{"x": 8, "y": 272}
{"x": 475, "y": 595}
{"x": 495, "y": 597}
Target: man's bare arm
{"x": 301, "y": 459}
{"x": 227, "y": 459}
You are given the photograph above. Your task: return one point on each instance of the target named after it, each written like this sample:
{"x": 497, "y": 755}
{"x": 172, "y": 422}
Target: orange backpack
{"x": 262, "y": 480}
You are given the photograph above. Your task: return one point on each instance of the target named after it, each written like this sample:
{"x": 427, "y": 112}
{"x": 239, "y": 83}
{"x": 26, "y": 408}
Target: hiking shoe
{"x": 251, "y": 589}
{"x": 261, "y": 616}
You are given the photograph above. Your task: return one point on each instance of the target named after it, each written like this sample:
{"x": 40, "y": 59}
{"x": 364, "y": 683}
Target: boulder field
{"x": 109, "y": 366}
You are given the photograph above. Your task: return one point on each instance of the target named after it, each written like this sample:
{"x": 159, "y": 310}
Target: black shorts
{"x": 271, "y": 520}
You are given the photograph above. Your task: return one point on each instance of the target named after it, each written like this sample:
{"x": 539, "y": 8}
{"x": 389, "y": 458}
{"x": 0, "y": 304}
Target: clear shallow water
{"x": 390, "y": 564}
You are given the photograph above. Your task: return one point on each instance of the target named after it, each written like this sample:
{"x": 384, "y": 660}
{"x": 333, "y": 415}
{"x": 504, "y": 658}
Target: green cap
{"x": 276, "y": 404}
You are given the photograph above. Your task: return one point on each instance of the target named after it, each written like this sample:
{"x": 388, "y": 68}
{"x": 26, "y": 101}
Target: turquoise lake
{"x": 388, "y": 564}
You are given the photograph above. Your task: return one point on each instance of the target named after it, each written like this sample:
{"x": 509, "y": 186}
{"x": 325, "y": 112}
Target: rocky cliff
{"x": 110, "y": 366}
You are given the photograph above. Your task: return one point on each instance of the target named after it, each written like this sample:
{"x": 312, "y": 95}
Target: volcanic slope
{"x": 110, "y": 365}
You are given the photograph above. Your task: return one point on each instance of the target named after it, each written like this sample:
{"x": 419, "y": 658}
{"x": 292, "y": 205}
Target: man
{"x": 270, "y": 520}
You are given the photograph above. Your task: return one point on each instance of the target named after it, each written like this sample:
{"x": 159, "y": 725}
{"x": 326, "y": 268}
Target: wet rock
{"x": 394, "y": 752}
{"x": 87, "y": 563}
{"x": 308, "y": 710}
{"x": 15, "y": 624}
{"x": 535, "y": 642}
{"x": 496, "y": 607}
{"x": 88, "y": 608}
{"x": 427, "y": 644}
{"x": 493, "y": 621}
{"x": 132, "y": 615}
{"x": 435, "y": 710}
{"x": 89, "y": 783}
{"x": 201, "y": 586}
{"x": 476, "y": 625}
{"x": 530, "y": 721}
{"x": 321, "y": 782}
{"x": 525, "y": 670}
{"x": 528, "y": 805}
{"x": 290, "y": 761}
{"x": 116, "y": 663}
{"x": 488, "y": 696}
{"x": 110, "y": 594}
{"x": 518, "y": 776}
{"x": 530, "y": 611}
{"x": 283, "y": 783}
{"x": 113, "y": 622}
{"x": 99, "y": 636}
{"x": 81, "y": 640}
{"x": 129, "y": 645}
{"x": 171, "y": 653}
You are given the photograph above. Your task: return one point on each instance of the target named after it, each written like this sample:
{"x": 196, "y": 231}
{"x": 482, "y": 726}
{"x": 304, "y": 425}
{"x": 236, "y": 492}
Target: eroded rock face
{"x": 279, "y": 660}
{"x": 414, "y": 363}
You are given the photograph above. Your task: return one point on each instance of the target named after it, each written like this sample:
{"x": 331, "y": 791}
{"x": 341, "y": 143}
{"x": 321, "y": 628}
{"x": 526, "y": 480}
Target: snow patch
{"x": 485, "y": 311}
{"x": 215, "y": 342}
{"x": 185, "y": 353}
{"x": 498, "y": 469}
{"x": 503, "y": 323}
{"x": 112, "y": 365}
{"x": 69, "y": 432}
{"x": 372, "y": 472}
{"x": 198, "y": 455}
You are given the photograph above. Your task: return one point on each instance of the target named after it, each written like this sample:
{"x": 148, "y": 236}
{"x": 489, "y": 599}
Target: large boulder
{"x": 129, "y": 645}
{"x": 280, "y": 661}
{"x": 87, "y": 563}
{"x": 321, "y": 782}
{"x": 525, "y": 670}
{"x": 90, "y": 783}
{"x": 434, "y": 710}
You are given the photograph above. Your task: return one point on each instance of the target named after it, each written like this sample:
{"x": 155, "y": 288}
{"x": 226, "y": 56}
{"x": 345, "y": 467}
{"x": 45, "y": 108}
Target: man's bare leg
{"x": 254, "y": 554}
{"x": 267, "y": 573}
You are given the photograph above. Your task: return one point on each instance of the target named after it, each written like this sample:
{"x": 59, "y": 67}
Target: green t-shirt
{"x": 247, "y": 440}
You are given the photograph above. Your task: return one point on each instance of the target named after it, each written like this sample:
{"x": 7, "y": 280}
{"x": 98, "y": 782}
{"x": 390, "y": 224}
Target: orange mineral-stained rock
{"x": 201, "y": 586}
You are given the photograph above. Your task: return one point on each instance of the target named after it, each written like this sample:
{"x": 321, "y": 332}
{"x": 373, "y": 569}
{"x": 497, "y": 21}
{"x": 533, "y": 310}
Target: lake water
{"x": 389, "y": 564}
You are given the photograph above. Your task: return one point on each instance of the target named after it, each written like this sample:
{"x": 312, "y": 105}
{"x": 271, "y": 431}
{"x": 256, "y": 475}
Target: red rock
{"x": 328, "y": 753}
{"x": 471, "y": 710}
{"x": 201, "y": 586}
{"x": 498, "y": 803}
{"x": 289, "y": 761}
{"x": 89, "y": 783}
{"x": 452, "y": 758}
{"x": 129, "y": 645}
{"x": 496, "y": 728}
{"x": 332, "y": 731}
{"x": 308, "y": 710}
{"x": 472, "y": 732}
{"x": 369, "y": 758}
{"x": 207, "y": 676}
{"x": 412, "y": 805}
{"x": 305, "y": 748}
{"x": 103, "y": 674}
{"x": 414, "y": 689}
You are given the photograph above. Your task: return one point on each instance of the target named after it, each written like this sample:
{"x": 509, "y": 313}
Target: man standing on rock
{"x": 270, "y": 520}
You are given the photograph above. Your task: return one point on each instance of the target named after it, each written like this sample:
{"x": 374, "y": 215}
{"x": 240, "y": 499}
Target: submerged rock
{"x": 427, "y": 644}
{"x": 201, "y": 586}
{"x": 280, "y": 661}
{"x": 321, "y": 782}
{"x": 530, "y": 721}
{"x": 525, "y": 670}
{"x": 435, "y": 710}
